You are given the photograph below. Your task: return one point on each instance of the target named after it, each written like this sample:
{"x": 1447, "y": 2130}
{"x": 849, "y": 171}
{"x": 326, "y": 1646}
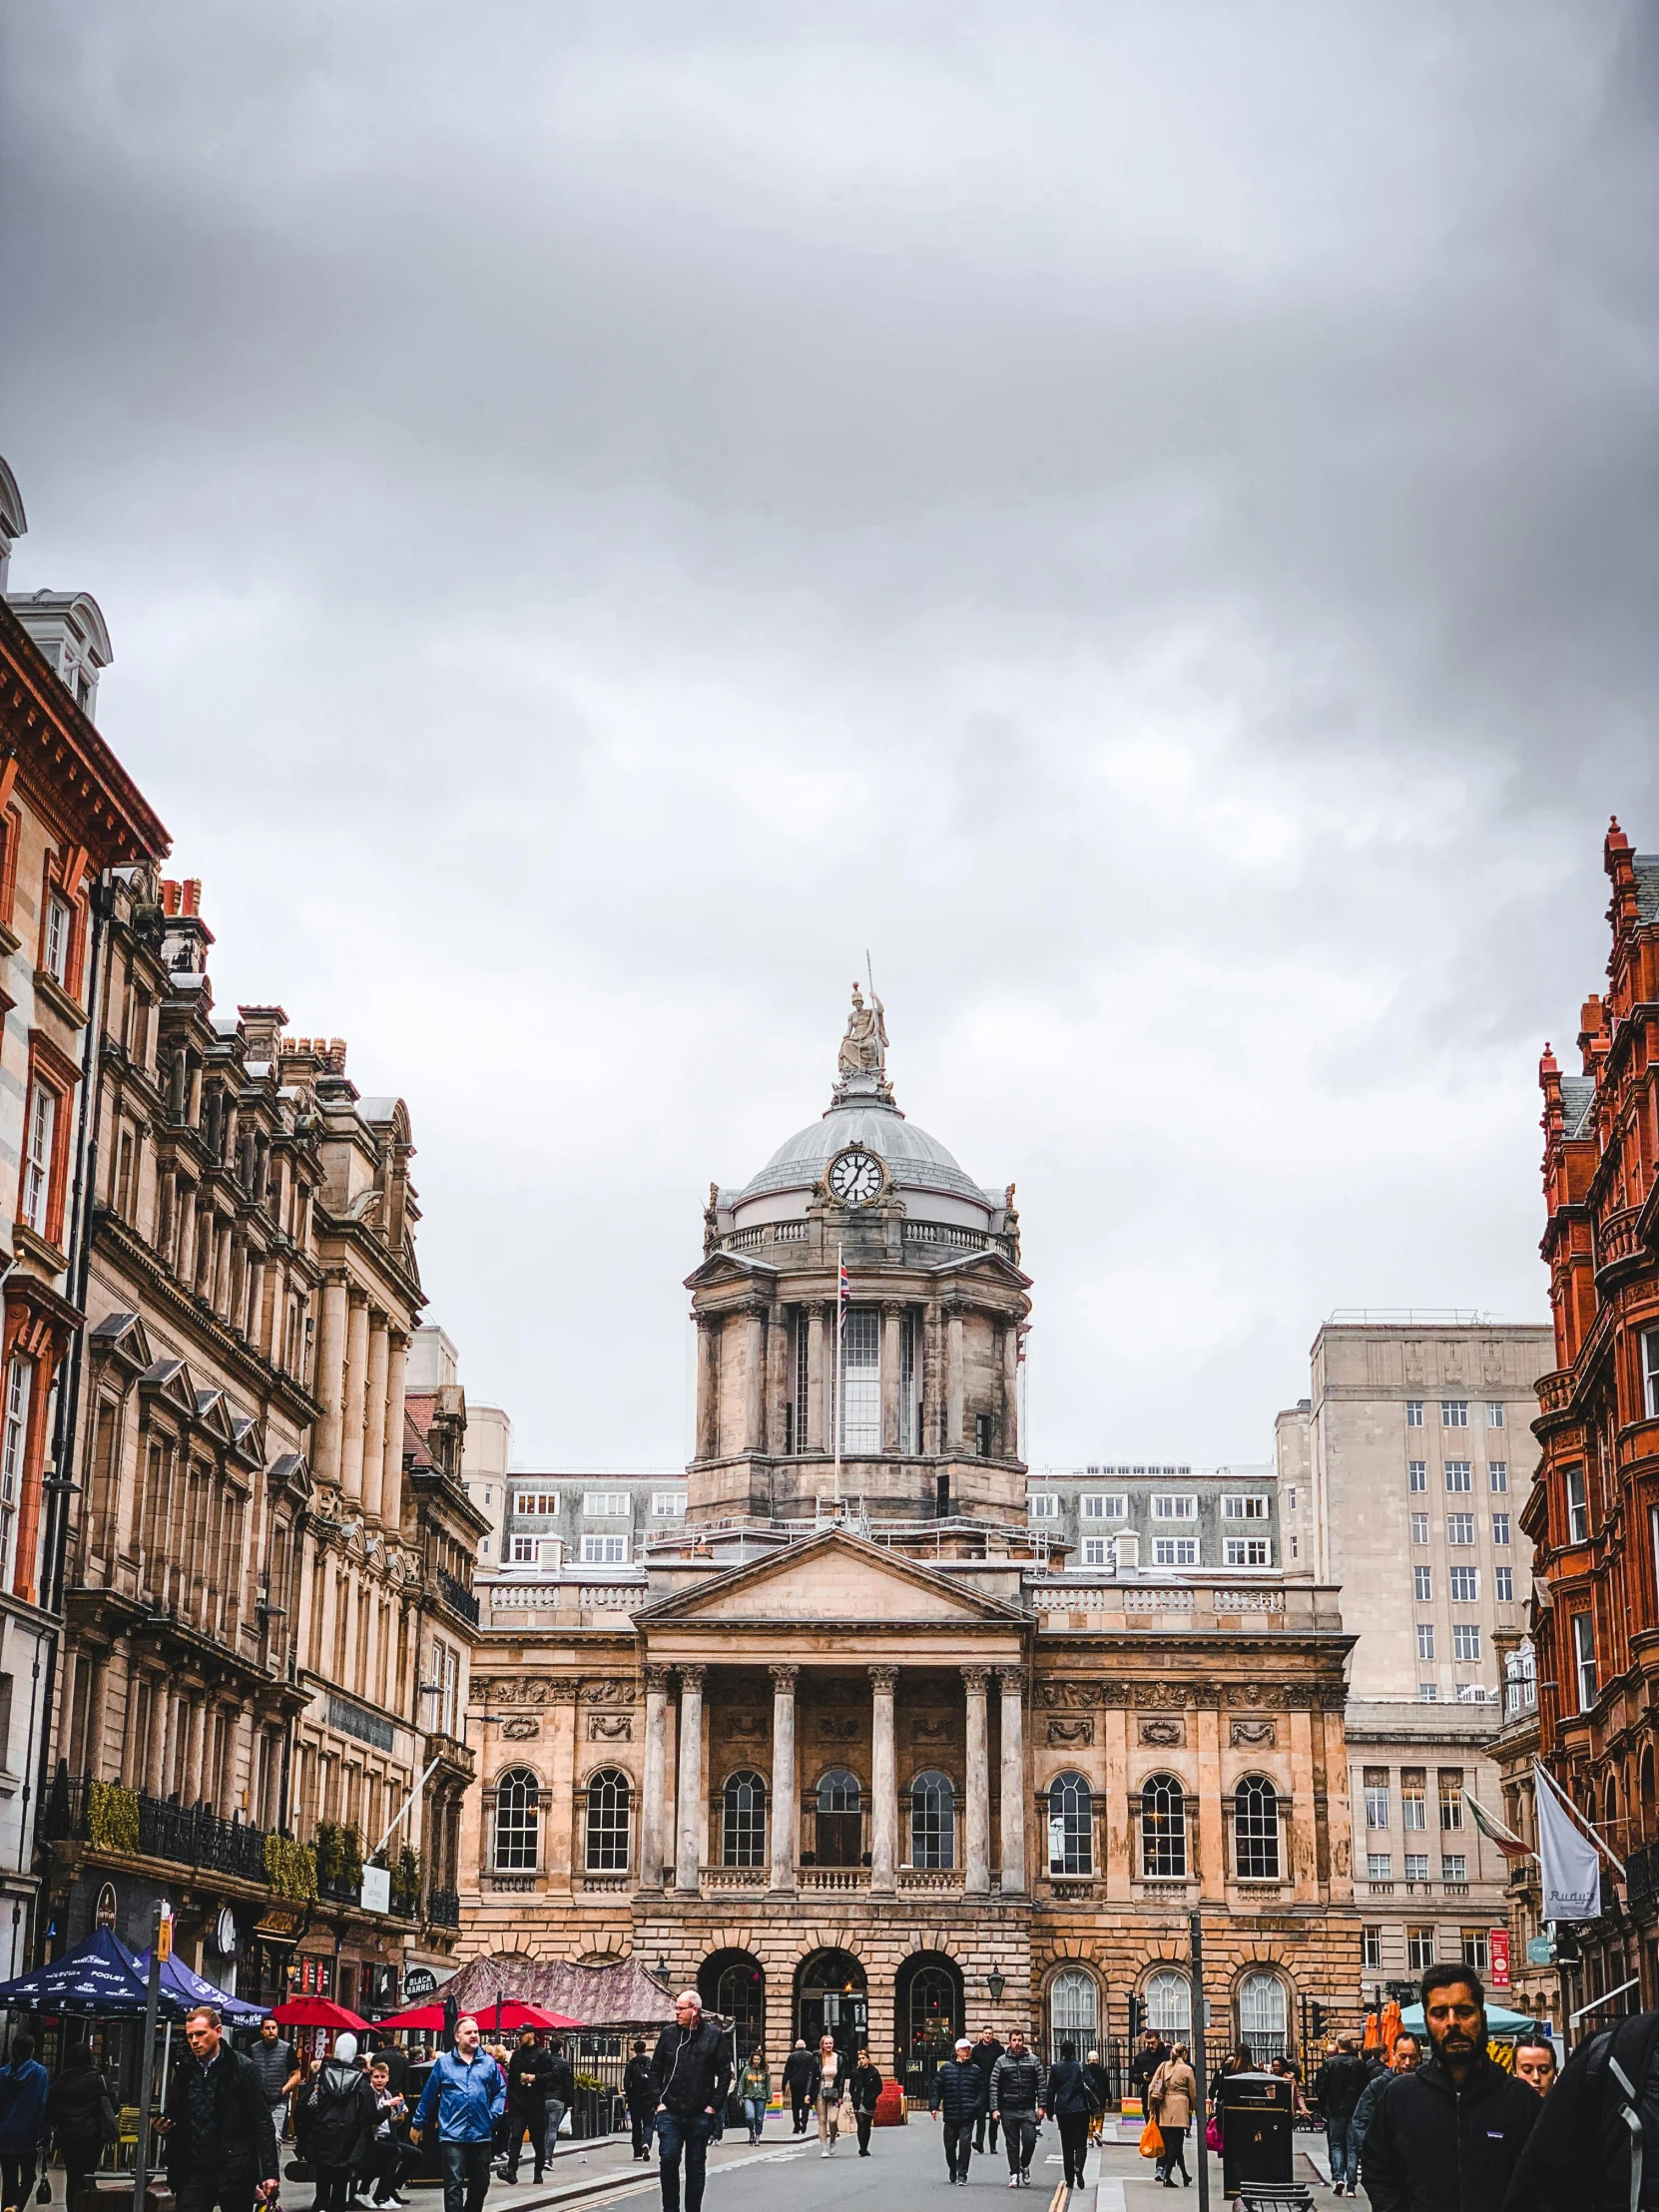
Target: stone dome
{"x": 915, "y": 1161}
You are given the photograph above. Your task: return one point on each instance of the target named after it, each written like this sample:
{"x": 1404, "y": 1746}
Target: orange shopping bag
{"x": 1152, "y": 2141}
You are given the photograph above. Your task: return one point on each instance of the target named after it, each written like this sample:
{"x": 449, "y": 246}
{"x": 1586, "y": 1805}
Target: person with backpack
{"x": 1338, "y": 2086}
{"x": 82, "y": 2116}
{"x": 1448, "y": 2137}
{"x": 1596, "y": 2145}
{"x": 337, "y": 2123}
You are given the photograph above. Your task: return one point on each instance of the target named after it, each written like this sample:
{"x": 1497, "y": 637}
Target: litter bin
{"x": 1255, "y": 2118}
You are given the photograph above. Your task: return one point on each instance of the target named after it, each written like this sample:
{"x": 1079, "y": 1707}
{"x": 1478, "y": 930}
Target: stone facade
{"x": 868, "y": 1755}
{"x": 266, "y": 1564}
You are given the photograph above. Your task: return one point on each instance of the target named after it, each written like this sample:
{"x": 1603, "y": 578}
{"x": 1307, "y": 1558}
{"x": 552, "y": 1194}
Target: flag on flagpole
{"x": 1494, "y": 1831}
{"x": 841, "y": 1271}
{"x": 1568, "y": 1861}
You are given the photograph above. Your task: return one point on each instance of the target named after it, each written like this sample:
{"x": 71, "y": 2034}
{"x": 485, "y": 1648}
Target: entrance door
{"x": 831, "y": 2000}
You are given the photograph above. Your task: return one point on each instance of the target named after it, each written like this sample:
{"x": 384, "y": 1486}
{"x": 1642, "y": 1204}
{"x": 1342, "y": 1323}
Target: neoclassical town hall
{"x": 855, "y": 1745}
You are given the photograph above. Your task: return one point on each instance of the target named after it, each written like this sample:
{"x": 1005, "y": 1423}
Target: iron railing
{"x": 456, "y": 1595}
{"x": 443, "y": 1908}
{"x": 187, "y": 1834}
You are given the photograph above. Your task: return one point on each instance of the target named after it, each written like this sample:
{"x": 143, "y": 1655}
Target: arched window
{"x": 1073, "y": 2010}
{"x": 933, "y": 1820}
{"x": 1262, "y": 2011}
{"x": 840, "y": 1827}
{"x": 608, "y": 1796}
{"x": 1645, "y": 1771}
{"x": 1610, "y": 1810}
{"x": 1162, "y": 1829}
{"x": 743, "y": 1825}
{"x": 517, "y": 1821}
{"x": 1256, "y": 1829}
{"x": 1167, "y": 2004}
{"x": 1070, "y": 1826}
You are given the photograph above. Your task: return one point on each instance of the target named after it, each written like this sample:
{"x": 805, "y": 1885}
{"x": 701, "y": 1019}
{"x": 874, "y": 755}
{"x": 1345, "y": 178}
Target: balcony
{"x": 456, "y": 1595}
{"x": 1641, "y": 1868}
{"x": 443, "y": 1908}
{"x": 126, "y": 1821}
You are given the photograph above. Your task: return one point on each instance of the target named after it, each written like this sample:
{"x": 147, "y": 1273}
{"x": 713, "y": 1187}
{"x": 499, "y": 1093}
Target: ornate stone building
{"x": 268, "y": 1610}
{"x": 852, "y": 1745}
{"x": 1593, "y": 1514}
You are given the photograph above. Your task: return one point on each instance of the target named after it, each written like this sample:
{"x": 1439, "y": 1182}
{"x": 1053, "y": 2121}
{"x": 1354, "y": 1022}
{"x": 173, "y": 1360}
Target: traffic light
{"x": 1315, "y": 2020}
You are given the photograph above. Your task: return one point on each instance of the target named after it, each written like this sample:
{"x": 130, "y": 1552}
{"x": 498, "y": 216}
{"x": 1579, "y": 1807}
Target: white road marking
{"x": 1110, "y": 2194}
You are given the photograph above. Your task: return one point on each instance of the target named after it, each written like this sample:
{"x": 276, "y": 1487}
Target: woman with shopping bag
{"x": 1172, "y": 2098}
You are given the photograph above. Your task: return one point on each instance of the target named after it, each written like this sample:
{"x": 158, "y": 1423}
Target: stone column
{"x": 707, "y": 1352}
{"x": 155, "y": 1753}
{"x": 328, "y": 1378}
{"x": 391, "y": 1461}
{"x": 1013, "y": 1781}
{"x": 814, "y": 1378}
{"x": 374, "y": 1416}
{"x": 1010, "y": 1391}
{"x": 884, "y": 1805}
{"x": 563, "y": 1812}
{"x": 773, "y": 1423}
{"x": 754, "y": 1402}
{"x": 688, "y": 1863}
{"x": 783, "y": 1778}
{"x": 654, "y": 1786}
{"x": 978, "y": 1822}
{"x": 191, "y": 1786}
{"x": 351, "y": 1401}
{"x": 954, "y": 1382}
{"x": 890, "y": 1318}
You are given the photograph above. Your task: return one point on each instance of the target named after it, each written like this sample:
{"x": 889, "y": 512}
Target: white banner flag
{"x": 1571, "y": 1863}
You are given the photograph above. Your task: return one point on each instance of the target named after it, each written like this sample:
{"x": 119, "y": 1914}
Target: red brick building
{"x": 1594, "y": 1510}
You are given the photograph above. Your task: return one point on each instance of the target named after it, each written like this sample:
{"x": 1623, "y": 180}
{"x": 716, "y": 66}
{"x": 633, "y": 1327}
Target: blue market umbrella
{"x": 1499, "y": 2019}
{"x": 190, "y": 1987}
{"x": 99, "y": 1978}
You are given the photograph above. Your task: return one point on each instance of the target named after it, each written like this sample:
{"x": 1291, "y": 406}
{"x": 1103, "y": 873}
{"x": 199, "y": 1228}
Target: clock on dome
{"x": 855, "y": 1177}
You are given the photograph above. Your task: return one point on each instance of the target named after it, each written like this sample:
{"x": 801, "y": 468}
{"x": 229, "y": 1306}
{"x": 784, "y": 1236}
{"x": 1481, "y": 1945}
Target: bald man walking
{"x": 691, "y": 2076}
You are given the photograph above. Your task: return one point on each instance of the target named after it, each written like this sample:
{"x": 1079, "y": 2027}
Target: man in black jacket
{"x": 987, "y": 2052}
{"x": 1148, "y": 2058}
{"x": 691, "y": 2076}
{"x": 1447, "y": 2137}
{"x": 528, "y": 2075}
{"x": 218, "y": 2140}
{"x": 561, "y": 2095}
{"x": 798, "y": 2080}
{"x": 958, "y": 2094}
{"x": 1338, "y": 2088}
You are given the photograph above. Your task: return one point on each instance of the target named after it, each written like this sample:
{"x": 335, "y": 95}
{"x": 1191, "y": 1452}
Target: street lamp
{"x": 996, "y": 1983}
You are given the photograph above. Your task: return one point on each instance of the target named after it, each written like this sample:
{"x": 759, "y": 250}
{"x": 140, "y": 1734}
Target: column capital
{"x": 891, "y": 1309}
{"x": 978, "y": 1680}
{"x": 1014, "y": 1679}
{"x": 783, "y": 1678}
{"x": 885, "y": 1678}
{"x": 655, "y": 1680}
{"x": 691, "y": 1678}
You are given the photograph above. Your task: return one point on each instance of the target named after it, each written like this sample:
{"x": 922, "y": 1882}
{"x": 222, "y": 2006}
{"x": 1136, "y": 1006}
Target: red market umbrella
{"x": 429, "y": 2018}
{"x": 317, "y": 2012}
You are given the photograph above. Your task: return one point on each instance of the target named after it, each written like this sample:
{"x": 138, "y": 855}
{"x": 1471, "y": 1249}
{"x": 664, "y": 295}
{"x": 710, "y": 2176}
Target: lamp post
{"x": 996, "y": 1983}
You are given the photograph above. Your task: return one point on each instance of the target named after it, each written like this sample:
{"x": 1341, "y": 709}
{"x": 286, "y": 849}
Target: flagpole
{"x": 1590, "y": 1827}
{"x": 841, "y": 1370}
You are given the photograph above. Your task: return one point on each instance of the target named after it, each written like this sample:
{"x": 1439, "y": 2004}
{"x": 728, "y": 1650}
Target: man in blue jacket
{"x": 23, "y": 2088}
{"x": 467, "y": 2092}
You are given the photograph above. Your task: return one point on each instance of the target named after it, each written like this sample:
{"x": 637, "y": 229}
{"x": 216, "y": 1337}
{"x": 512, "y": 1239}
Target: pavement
{"x": 906, "y": 2169}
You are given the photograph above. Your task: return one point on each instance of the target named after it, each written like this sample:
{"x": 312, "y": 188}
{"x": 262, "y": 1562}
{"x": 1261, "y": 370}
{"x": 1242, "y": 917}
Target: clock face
{"x": 855, "y": 1177}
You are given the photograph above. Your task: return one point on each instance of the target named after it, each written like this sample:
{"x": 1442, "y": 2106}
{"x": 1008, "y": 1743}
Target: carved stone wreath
{"x": 1172, "y": 1733}
{"x": 520, "y": 1728}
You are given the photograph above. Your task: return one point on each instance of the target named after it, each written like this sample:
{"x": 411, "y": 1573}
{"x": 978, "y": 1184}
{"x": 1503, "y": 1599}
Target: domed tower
{"x": 924, "y": 1402}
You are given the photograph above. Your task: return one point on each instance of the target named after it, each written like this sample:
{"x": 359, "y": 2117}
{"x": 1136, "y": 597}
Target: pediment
{"x": 729, "y": 1266}
{"x": 832, "y": 1577}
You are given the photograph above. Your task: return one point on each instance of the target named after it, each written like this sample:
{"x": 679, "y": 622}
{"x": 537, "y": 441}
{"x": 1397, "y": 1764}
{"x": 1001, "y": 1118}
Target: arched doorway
{"x": 732, "y": 1983}
{"x": 929, "y": 2015}
{"x": 831, "y": 1999}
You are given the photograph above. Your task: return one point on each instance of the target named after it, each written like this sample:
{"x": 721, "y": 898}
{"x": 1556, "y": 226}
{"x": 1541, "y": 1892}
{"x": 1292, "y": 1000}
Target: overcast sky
{"x": 1143, "y": 516}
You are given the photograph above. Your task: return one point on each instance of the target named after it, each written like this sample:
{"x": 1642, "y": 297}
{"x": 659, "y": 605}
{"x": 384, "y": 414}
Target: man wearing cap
{"x": 691, "y": 2073}
{"x": 957, "y": 2097}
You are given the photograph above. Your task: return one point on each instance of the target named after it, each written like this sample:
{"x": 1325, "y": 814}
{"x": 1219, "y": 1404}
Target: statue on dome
{"x": 864, "y": 1047}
